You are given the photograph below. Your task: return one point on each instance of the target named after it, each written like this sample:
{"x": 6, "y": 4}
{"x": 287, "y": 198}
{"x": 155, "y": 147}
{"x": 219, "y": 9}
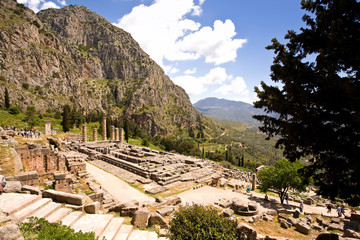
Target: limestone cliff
{"x": 74, "y": 56}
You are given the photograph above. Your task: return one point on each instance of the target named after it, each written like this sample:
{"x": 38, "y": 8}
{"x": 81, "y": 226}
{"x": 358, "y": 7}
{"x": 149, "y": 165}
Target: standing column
{"x": 116, "y": 134}
{"x": 112, "y": 133}
{"x": 121, "y": 135}
{"x": 47, "y": 127}
{"x": 253, "y": 182}
{"x": 84, "y": 136}
{"x": 104, "y": 128}
{"x": 94, "y": 134}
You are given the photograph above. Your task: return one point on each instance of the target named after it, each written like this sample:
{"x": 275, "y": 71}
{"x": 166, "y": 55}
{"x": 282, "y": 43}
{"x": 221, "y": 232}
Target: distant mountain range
{"x": 230, "y": 110}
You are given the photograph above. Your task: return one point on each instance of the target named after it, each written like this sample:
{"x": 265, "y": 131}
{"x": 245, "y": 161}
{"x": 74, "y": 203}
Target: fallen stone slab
{"x": 228, "y": 212}
{"x": 303, "y": 228}
{"x": 10, "y": 231}
{"x": 156, "y": 190}
{"x": 141, "y": 218}
{"x": 64, "y": 197}
{"x": 173, "y": 200}
{"x": 351, "y": 234}
{"x": 31, "y": 189}
{"x": 12, "y": 187}
{"x": 92, "y": 208}
{"x": 247, "y": 230}
{"x": 166, "y": 211}
{"x": 157, "y": 219}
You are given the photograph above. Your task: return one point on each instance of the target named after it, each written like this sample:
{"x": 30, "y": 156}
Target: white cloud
{"x": 216, "y": 45}
{"x": 173, "y": 70}
{"x": 226, "y": 85}
{"x": 190, "y": 71}
{"x": 32, "y": 4}
{"x": 191, "y": 84}
{"x": 37, "y": 5}
{"x": 47, "y": 5}
{"x": 236, "y": 86}
{"x": 62, "y": 2}
{"x": 157, "y": 27}
{"x": 164, "y": 32}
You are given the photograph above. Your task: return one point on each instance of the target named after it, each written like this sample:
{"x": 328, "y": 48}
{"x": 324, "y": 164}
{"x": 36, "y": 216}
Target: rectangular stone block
{"x": 63, "y": 197}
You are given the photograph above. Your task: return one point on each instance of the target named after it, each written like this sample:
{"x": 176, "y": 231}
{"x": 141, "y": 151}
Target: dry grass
{"x": 273, "y": 229}
{"x": 7, "y": 163}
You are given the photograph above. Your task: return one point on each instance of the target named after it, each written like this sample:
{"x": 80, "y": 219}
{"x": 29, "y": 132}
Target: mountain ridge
{"x": 229, "y": 109}
{"x": 74, "y": 56}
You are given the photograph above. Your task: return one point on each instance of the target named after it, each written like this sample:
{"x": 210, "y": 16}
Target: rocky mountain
{"x": 74, "y": 56}
{"x": 230, "y": 110}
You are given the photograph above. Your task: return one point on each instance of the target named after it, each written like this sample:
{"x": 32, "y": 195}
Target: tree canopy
{"x": 282, "y": 176}
{"x": 317, "y": 105}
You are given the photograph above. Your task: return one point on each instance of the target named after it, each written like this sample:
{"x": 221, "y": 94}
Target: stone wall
{"x": 41, "y": 160}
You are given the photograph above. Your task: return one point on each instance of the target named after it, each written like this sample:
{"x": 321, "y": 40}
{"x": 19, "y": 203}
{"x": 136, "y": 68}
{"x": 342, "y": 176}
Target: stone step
{"x": 30, "y": 209}
{"x": 58, "y": 215}
{"x": 7, "y": 201}
{"x": 72, "y": 218}
{"x": 123, "y": 232}
{"x": 93, "y": 223}
{"x": 112, "y": 229}
{"x": 46, "y": 210}
{"x": 142, "y": 235}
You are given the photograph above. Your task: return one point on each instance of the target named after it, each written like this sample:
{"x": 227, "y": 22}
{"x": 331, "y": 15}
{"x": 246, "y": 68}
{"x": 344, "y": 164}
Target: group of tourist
{"x": 23, "y": 132}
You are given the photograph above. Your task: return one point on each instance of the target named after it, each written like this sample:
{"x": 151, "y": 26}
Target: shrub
{"x": 202, "y": 223}
{"x": 25, "y": 86}
{"x": 41, "y": 229}
{"x": 14, "y": 110}
{"x": 145, "y": 142}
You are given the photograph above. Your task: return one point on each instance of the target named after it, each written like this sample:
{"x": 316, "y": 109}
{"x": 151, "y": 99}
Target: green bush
{"x": 25, "y": 86}
{"x": 202, "y": 223}
{"x": 14, "y": 110}
{"x": 41, "y": 229}
{"x": 145, "y": 142}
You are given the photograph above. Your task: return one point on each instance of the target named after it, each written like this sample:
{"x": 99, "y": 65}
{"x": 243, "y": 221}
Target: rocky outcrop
{"x": 74, "y": 56}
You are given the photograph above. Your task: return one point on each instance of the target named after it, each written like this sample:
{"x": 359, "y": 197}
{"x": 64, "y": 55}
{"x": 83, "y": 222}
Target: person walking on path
{"x": 287, "y": 199}
{"x": 328, "y": 208}
{"x": 301, "y": 206}
{"x": 343, "y": 210}
{"x": 339, "y": 211}
{"x": 2, "y": 183}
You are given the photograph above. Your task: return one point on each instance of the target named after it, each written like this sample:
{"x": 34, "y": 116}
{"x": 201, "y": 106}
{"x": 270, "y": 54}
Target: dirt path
{"x": 120, "y": 190}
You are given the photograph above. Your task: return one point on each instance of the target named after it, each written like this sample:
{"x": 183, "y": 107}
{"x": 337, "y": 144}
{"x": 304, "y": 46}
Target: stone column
{"x": 116, "y": 134}
{"x": 121, "y": 135}
{"x": 104, "y": 128}
{"x": 84, "y": 136}
{"x": 47, "y": 127}
{"x": 112, "y": 133}
{"x": 253, "y": 182}
{"x": 94, "y": 134}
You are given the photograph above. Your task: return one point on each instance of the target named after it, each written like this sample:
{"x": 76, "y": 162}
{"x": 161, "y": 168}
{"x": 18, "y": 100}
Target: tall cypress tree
{"x": 66, "y": 118}
{"x": 126, "y": 130}
{"x": 7, "y": 100}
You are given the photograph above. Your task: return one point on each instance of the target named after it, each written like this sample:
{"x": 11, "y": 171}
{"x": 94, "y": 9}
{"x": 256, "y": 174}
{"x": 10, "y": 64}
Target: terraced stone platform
{"x": 23, "y": 206}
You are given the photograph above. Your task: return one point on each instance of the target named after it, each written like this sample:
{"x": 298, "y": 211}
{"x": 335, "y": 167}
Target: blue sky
{"x": 211, "y": 48}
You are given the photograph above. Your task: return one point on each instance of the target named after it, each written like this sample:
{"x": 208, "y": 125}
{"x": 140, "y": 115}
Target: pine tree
{"x": 317, "y": 108}
{"x": 7, "y": 100}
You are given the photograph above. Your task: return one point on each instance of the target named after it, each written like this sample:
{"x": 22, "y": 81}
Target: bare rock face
{"x": 74, "y": 56}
